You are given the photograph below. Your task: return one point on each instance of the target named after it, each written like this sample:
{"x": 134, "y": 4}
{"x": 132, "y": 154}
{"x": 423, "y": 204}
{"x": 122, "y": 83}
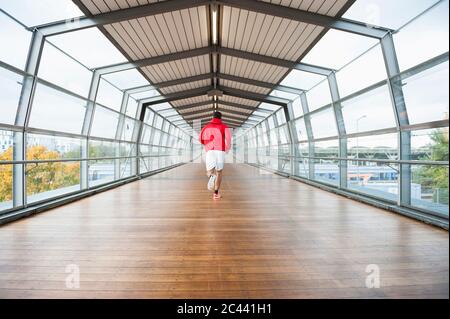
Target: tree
{"x": 40, "y": 177}
{"x": 436, "y": 177}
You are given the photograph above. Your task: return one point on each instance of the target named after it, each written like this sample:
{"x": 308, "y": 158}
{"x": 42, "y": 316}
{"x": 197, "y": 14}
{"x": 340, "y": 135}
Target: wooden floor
{"x": 269, "y": 237}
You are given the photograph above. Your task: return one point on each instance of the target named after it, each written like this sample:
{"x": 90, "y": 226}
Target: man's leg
{"x": 218, "y": 181}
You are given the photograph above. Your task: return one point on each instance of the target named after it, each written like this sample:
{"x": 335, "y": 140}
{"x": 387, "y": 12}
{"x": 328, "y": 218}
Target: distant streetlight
{"x": 357, "y": 147}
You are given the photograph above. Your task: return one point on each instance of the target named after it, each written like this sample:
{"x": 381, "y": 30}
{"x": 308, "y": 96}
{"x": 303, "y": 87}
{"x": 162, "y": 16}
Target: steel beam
{"x": 309, "y": 133}
{"x": 117, "y": 16}
{"x": 176, "y": 96}
{"x": 254, "y": 96}
{"x": 395, "y": 84}
{"x": 154, "y": 60}
{"x": 308, "y": 17}
{"x": 267, "y": 85}
{"x": 337, "y": 108}
{"x": 194, "y": 105}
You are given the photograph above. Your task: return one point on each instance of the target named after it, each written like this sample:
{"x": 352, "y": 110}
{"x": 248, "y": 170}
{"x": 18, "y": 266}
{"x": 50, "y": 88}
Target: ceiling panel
{"x": 237, "y": 100}
{"x": 245, "y": 87}
{"x": 185, "y": 86}
{"x": 178, "y": 69}
{"x": 231, "y": 108}
{"x": 193, "y": 100}
{"x": 251, "y": 69}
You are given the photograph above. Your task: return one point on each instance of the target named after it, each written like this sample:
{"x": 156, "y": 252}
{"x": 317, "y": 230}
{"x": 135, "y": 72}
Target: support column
{"x": 119, "y": 134}
{"x": 294, "y": 139}
{"x": 309, "y": 133}
{"x": 335, "y": 96}
{"x": 401, "y": 115}
{"x": 23, "y": 117}
{"x": 86, "y": 131}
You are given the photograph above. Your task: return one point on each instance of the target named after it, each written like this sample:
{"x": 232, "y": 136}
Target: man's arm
{"x": 227, "y": 139}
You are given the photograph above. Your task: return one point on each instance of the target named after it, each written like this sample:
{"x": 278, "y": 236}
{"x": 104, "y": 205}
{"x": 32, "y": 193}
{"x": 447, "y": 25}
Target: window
{"x": 32, "y": 12}
{"x": 47, "y": 180}
{"x": 105, "y": 123}
{"x": 58, "y": 68}
{"x": 324, "y": 124}
{"x": 57, "y": 111}
{"x": 301, "y": 130}
{"x": 319, "y": 96}
{"x": 297, "y": 108}
{"x": 101, "y": 171}
{"x": 302, "y": 80}
{"x": 423, "y": 38}
{"x": 284, "y": 95}
{"x": 379, "y": 147}
{"x": 374, "y": 179}
{"x": 430, "y": 145}
{"x": 126, "y": 79}
{"x": 361, "y": 73}
{"x": 132, "y": 107}
{"x": 129, "y": 127}
{"x": 429, "y": 188}
{"x": 6, "y": 171}
{"x": 101, "y": 51}
{"x": 11, "y": 88}
{"x": 388, "y": 13}
{"x": 110, "y": 96}
{"x": 426, "y": 95}
{"x": 18, "y": 40}
{"x": 338, "y": 48}
{"x": 370, "y": 111}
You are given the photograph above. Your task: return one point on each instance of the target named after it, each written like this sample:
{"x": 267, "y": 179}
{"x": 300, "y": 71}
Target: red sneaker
{"x": 217, "y": 196}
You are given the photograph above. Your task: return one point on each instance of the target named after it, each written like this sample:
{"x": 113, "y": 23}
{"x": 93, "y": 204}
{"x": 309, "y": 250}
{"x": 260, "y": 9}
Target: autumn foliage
{"x": 40, "y": 177}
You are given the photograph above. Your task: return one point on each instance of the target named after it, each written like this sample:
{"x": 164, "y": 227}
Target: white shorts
{"x": 215, "y": 160}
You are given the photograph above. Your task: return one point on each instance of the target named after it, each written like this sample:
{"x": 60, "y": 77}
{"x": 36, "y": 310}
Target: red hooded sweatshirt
{"x": 216, "y": 136}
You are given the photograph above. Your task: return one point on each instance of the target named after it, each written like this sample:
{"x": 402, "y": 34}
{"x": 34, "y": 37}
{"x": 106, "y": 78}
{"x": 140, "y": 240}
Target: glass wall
{"x": 383, "y": 136}
{"x": 54, "y": 141}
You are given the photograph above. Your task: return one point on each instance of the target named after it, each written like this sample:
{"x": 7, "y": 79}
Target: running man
{"x": 216, "y": 137}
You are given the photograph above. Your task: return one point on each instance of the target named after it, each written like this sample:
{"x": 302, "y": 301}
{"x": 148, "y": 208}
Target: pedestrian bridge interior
{"x": 338, "y": 170}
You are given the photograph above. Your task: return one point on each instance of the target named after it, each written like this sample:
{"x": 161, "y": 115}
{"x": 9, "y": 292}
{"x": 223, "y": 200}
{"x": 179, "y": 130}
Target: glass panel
{"x": 297, "y": 108}
{"x": 149, "y": 115}
{"x": 370, "y": 111}
{"x": 58, "y": 68}
{"x": 423, "y": 38}
{"x": 105, "y": 123}
{"x": 324, "y": 124}
{"x": 281, "y": 118}
{"x": 388, "y": 13}
{"x": 126, "y": 79}
{"x": 32, "y": 12}
{"x": 326, "y": 149}
{"x": 326, "y": 171}
{"x": 429, "y": 188}
{"x": 302, "y": 80}
{"x": 337, "y": 48}
{"x": 319, "y": 96}
{"x": 375, "y": 179}
{"x": 101, "y": 171}
{"x": 373, "y": 147}
{"x": 57, "y": 111}
{"x": 128, "y": 129}
{"x": 426, "y": 95}
{"x": 430, "y": 145}
{"x": 361, "y": 73}
{"x": 41, "y": 146}
{"x": 101, "y": 51}
{"x": 300, "y": 127}
{"x": 11, "y": 88}
{"x": 109, "y": 96}
{"x": 158, "y": 122}
{"x": 284, "y": 95}
{"x": 17, "y": 39}
{"x": 303, "y": 167}
{"x": 47, "y": 180}
{"x": 132, "y": 107}
{"x": 6, "y": 171}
